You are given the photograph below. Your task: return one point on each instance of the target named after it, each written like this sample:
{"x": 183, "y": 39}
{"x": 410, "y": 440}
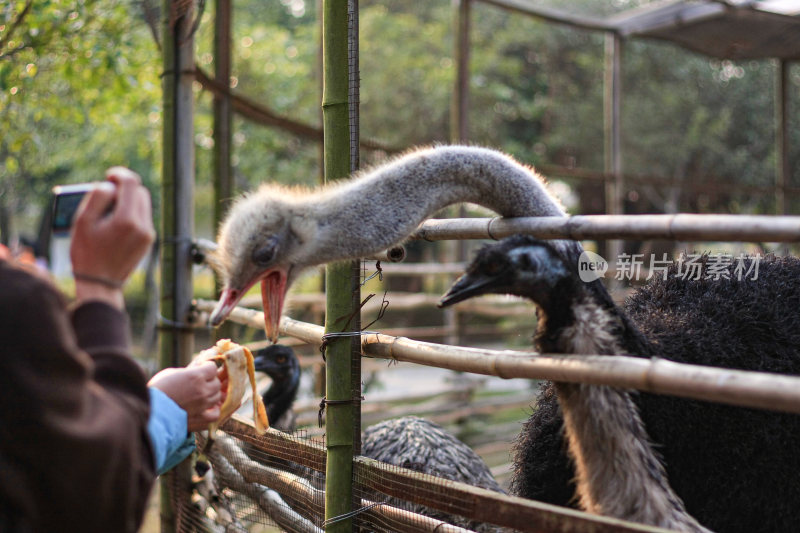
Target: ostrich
{"x": 618, "y": 472}
{"x": 409, "y": 442}
{"x": 272, "y": 235}
{"x": 421, "y": 445}
{"x": 280, "y": 363}
{"x": 733, "y": 467}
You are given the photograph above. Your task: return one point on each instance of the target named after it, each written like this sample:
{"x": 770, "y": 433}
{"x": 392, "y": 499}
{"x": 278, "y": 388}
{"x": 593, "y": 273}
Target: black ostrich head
{"x": 278, "y": 362}
{"x": 519, "y": 265}
{"x": 281, "y": 364}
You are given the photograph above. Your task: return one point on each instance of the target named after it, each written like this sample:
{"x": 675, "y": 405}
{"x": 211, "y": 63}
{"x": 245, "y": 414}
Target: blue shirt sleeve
{"x": 172, "y": 443}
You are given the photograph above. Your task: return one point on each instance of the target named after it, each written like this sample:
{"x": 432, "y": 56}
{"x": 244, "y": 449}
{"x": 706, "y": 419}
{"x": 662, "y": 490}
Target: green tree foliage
{"x": 80, "y": 90}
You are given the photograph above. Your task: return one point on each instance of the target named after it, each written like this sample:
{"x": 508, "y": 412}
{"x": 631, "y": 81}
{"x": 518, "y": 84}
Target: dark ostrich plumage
{"x": 424, "y": 446}
{"x": 744, "y": 458}
{"x": 280, "y": 363}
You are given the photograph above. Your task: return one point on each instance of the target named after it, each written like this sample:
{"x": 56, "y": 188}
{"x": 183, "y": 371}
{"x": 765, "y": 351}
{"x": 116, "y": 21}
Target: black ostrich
{"x": 733, "y": 468}
{"x": 280, "y": 363}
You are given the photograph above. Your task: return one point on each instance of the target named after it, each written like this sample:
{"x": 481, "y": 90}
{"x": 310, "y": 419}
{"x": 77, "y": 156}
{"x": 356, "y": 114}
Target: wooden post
{"x": 223, "y": 177}
{"x": 459, "y": 106}
{"x": 615, "y": 190}
{"x": 341, "y": 279}
{"x": 223, "y": 131}
{"x": 178, "y": 215}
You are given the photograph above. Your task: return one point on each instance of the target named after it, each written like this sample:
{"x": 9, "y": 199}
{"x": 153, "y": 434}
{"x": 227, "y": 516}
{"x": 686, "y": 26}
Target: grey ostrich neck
{"x": 618, "y": 473}
{"x": 382, "y": 207}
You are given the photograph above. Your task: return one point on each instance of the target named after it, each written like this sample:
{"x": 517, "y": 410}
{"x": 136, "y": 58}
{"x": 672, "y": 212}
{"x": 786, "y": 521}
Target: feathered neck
{"x": 381, "y": 207}
{"x": 618, "y": 472}
{"x": 280, "y": 395}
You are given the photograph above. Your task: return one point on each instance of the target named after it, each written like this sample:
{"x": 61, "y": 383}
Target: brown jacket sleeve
{"x": 74, "y": 450}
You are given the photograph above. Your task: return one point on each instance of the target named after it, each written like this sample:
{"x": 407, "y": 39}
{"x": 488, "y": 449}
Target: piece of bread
{"x": 239, "y": 363}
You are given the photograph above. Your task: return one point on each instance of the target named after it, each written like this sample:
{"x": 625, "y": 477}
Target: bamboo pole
{"x": 341, "y": 279}
{"x": 177, "y": 217}
{"x": 775, "y": 392}
{"x": 679, "y": 227}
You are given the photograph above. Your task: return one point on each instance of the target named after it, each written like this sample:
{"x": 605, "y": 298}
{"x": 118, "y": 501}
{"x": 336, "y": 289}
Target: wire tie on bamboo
{"x": 671, "y": 226}
{"x": 571, "y": 222}
{"x": 378, "y": 272}
{"x": 489, "y": 228}
{"x": 325, "y": 401}
{"x": 351, "y": 514}
{"x": 326, "y": 338}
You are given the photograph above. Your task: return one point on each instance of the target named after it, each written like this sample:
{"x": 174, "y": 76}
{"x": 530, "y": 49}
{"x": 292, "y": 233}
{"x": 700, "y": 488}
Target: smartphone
{"x": 66, "y": 202}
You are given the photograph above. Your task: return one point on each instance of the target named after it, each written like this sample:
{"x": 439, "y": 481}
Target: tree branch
{"x": 15, "y": 25}
{"x": 263, "y": 115}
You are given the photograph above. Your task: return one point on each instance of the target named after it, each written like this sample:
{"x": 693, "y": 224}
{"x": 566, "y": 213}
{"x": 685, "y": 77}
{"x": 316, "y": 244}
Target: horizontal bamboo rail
{"x": 681, "y": 227}
{"x": 734, "y": 387}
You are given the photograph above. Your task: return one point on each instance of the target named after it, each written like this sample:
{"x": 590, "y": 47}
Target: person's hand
{"x": 197, "y": 389}
{"x": 111, "y": 233}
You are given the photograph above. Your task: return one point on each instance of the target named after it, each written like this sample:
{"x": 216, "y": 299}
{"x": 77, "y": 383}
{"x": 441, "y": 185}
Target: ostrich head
{"x": 519, "y": 265}
{"x": 277, "y": 361}
{"x": 261, "y": 240}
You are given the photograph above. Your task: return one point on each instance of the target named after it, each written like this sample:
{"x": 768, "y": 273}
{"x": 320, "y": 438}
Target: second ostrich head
{"x": 519, "y": 265}
{"x": 280, "y": 363}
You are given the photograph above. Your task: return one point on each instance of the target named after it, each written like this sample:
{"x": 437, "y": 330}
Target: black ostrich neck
{"x": 618, "y": 473}
{"x": 563, "y": 312}
{"x": 280, "y": 396}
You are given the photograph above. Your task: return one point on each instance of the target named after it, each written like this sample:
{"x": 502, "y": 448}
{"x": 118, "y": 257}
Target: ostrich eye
{"x": 264, "y": 255}
{"x": 494, "y": 267}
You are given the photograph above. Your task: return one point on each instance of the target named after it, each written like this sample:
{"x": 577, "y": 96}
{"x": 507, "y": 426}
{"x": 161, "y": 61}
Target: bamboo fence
{"x": 483, "y": 505}
{"x": 734, "y": 387}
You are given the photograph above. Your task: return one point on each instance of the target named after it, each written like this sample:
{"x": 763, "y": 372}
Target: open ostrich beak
{"x": 273, "y": 292}
{"x": 227, "y": 301}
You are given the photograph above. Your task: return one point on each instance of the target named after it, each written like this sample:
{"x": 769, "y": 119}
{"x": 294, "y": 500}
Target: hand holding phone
{"x": 111, "y": 232}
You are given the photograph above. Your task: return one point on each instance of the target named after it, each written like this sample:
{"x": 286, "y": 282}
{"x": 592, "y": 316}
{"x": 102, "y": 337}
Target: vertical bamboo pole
{"x": 612, "y": 134}
{"x": 340, "y": 419}
{"x": 223, "y": 176}
{"x": 178, "y": 216}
